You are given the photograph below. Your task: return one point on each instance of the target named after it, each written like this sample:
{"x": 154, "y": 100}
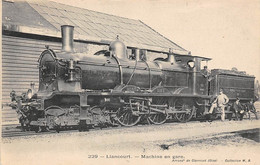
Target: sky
{"x": 228, "y": 31}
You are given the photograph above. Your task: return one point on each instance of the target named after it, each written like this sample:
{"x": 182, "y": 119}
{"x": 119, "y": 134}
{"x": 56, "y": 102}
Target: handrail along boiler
{"x": 110, "y": 88}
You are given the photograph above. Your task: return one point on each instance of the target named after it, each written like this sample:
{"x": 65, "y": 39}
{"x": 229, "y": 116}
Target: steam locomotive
{"x": 111, "y": 88}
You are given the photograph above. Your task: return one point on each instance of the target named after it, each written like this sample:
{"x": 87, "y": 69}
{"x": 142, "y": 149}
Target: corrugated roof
{"x": 22, "y": 14}
{"x": 94, "y": 24}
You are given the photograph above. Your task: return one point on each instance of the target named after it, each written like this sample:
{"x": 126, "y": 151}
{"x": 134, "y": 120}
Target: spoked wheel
{"x": 127, "y": 116}
{"x": 187, "y": 109}
{"x": 158, "y": 117}
{"x": 53, "y": 115}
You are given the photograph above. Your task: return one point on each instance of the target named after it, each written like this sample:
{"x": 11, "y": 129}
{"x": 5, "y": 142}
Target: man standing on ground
{"x": 220, "y": 102}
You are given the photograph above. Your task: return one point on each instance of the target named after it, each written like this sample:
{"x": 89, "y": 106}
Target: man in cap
{"x": 251, "y": 109}
{"x": 238, "y": 109}
{"x": 205, "y": 72}
{"x": 220, "y": 102}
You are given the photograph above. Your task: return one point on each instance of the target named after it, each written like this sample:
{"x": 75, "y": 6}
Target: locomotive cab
{"x": 198, "y": 80}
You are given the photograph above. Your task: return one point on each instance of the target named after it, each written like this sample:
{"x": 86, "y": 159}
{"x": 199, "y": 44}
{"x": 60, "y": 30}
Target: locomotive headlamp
{"x": 29, "y": 94}
{"x": 13, "y": 95}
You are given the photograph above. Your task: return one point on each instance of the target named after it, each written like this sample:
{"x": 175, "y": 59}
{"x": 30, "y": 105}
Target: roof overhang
{"x": 83, "y": 38}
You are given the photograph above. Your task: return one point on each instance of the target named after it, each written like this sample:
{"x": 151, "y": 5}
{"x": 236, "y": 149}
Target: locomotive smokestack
{"x": 67, "y": 38}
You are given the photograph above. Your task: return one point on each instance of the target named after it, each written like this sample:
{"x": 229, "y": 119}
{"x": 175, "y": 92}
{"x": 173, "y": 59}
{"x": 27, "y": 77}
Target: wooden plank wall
{"x": 19, "y": 61}
{"x": 19, "y": 67}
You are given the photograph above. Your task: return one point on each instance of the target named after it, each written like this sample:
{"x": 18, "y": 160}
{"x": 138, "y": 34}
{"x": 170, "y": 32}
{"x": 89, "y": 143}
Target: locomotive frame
{"x": 108, "y": 88}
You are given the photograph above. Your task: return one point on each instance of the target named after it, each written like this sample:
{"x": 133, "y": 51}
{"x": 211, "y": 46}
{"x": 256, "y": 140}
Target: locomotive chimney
{"x": 67, "y": 38}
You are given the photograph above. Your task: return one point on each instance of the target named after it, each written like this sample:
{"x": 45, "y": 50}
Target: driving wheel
{"x": 186, "y": 110}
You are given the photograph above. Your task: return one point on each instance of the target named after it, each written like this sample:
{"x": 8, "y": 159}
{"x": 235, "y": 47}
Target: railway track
{"x": 15, "y": 131}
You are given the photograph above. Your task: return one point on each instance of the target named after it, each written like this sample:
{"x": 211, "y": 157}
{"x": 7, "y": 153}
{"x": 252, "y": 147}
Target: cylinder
{"x": 67, "y": 38}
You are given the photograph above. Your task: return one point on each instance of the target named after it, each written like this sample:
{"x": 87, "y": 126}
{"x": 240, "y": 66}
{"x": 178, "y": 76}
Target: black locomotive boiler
{"x": 112, "y": 87}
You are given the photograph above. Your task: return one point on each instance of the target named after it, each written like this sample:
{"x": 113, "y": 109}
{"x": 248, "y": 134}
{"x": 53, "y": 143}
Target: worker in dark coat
{"x": 251, "y": 109}
{"x": 238, "y": 109}
{"x": 205, "y": 72}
